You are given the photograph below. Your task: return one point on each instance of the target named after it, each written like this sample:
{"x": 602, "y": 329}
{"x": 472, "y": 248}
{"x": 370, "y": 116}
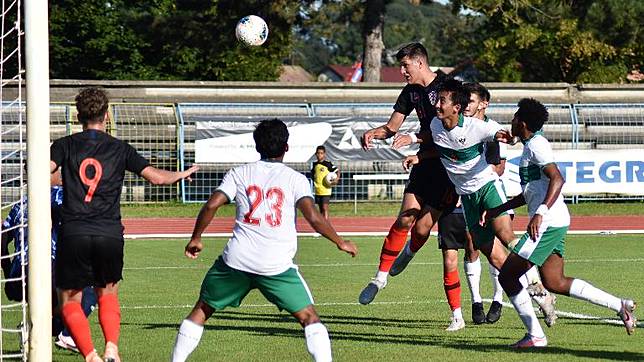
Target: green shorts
{"x": 224, "y": 286}
{"x": 551, "y": 241}
{"x": 492, "y": 194}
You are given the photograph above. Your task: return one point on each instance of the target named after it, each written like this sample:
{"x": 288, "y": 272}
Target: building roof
{"x": 387, "y": 74}
{"x": 294, "y": 73}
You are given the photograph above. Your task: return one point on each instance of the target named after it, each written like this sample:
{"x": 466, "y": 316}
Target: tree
{"x": 373, "y": 44}
{"x": 554, "y": 41}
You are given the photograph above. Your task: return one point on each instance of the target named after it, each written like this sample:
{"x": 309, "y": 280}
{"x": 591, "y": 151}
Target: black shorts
{"x": 83, "y": 261}
{"x": 451, "y": 231}
{"x": 429, "y": 181}
{"x": 320, "y": 200}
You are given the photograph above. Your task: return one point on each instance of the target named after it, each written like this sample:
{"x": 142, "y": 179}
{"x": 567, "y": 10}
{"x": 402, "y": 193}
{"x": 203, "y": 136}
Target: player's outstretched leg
{"x": 512, "y": 269}
{"x": 392, "y": 244}
{"x": 419, "y": 235}
{"x": 190, "y": 331}
{"x": 555, "y": 280}
{"x": 109, "y": 316}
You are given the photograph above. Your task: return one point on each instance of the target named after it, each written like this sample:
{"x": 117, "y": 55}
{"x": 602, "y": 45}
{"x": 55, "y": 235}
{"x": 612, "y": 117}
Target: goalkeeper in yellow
{"x": 321, "y": 168}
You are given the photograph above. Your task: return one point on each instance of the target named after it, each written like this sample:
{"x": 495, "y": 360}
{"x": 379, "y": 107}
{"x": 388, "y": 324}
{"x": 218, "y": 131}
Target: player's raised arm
{"x": 207, "y": 212}
{"x": 158, "y": 176}
{"x": 383, "y": 132}
{"x": 322, "y": 226}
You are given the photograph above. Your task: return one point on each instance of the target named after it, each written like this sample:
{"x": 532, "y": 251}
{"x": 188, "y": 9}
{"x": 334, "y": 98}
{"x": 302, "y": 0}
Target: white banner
{"x": 588, "y": 171}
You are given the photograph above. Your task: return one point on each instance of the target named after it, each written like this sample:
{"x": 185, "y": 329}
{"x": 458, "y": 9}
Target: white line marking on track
{"x": 361, "y": 233}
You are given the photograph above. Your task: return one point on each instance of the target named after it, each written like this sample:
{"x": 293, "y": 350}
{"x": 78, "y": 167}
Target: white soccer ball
{"x": 330, "y": 178}
{"x": 251, "y": 30}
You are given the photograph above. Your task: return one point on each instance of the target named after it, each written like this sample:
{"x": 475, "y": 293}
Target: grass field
{"x": 368, "y": 209}
{"x": 406, "y": 322}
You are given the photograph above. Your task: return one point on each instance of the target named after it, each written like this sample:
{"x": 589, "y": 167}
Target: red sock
{"x": 417, "y": 241}
{"x": 394, "y": 242}
{"x": 78, "y": 326}
{"x": 452, "y": 286}
{"x": 109, "y": 315}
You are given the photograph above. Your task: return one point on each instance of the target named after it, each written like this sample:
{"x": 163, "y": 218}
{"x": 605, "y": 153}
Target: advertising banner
{"x": 588, "y": 171}
{"x": 230, "y": 139}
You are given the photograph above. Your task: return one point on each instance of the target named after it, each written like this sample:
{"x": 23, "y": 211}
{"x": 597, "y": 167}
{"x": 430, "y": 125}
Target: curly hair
{"x": 271, "y": 137}
{"x": 91, "y": 104}
{"x": 458, "y": 93}
{"x": 532, "y": 113}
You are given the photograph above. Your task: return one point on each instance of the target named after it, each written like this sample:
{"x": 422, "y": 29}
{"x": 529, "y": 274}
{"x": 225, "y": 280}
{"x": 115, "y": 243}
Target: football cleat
{"x": 530, "y": 341}
{"x": 627, "y": 315}
{"x": 402, "y": 260}
{"x": 66, "y": 342}
{"x": 369, "y": 292}
{"x": 456, "y": 324}
{"x": 547, "y": 306}
{"x": 478, "y": 313}
{"x": 494, "y": 313}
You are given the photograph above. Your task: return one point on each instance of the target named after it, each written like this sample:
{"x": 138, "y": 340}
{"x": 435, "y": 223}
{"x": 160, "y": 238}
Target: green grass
{"x": 369, "y": 209}
{"x": 405, "y": 322}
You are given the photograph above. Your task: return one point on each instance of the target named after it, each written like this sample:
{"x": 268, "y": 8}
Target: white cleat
{"x": 402, "y": 260}
{"x": 530, "y": 341}
{"x": 547, "y": 306}
{"x": 627, "y": 315}
{"x": 369, "y": 292}
{"x": 66, "y": 342}
{"x": 456, "y": 324}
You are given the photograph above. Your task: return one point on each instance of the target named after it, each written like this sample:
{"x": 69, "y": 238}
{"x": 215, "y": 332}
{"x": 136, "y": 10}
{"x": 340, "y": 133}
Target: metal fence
{"x": 165, "y": 134}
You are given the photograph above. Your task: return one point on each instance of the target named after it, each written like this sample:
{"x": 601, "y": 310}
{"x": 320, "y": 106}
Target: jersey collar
{"x": 538, "y": 133}
{"x": 460, "y": 119}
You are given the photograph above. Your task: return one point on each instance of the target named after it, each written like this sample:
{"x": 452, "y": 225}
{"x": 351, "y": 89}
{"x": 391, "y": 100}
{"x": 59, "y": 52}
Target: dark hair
{"x": 532, "y": 113}
{"x": 412, "y": 50}
{"x": 91, "y": 104}
{"x": 271, "y": 137}
{"x": 458, "y": 93}
{"x": 479, "y": 90}
{"x": 320, "y": 147}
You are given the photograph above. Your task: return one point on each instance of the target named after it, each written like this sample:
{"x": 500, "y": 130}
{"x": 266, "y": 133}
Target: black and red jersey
{"x": 93, "y": 168}
{"x": 423, "y": 100}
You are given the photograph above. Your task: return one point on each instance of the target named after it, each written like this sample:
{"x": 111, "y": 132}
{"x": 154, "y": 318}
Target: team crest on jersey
{"x": 461, "y": 140}
{"x": 433, "y": 97}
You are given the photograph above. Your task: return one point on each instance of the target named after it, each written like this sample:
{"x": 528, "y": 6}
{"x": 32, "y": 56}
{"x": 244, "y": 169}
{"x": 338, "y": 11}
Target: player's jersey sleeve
{"x": 403, "y": 103}
{"x": 541, "y": 151}
{"x": 57, "y": 151}
{"x": 491, "y": 128}
{"x": 229, "y": 186}
{"x": 301, "y": 188}
{"x": 134, "y": 162}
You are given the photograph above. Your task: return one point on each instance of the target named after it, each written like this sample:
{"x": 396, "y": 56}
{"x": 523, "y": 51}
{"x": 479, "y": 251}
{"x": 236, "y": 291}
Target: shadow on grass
{"x": 457, "y": 341}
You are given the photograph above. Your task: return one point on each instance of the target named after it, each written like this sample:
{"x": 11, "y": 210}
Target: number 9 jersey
{"x": 264, "y": 238}
{"x": 93, "y": 167}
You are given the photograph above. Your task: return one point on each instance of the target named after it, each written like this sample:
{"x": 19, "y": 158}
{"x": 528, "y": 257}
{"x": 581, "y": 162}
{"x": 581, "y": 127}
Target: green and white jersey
{"x": 536, "y": 155}
{"x": 462, "y": 152}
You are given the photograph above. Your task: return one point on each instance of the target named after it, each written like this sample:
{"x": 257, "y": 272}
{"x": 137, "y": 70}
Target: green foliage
{"x": 553, "y": 41}
{"x": 162, "y": 39}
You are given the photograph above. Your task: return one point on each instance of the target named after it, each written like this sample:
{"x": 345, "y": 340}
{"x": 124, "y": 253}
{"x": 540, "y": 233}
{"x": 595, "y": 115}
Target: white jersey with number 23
{"x": 264, "y": 238}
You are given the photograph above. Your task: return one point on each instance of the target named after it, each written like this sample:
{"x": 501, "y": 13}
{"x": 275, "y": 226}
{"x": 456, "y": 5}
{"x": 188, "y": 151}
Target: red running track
{"x": 363, "y": 224}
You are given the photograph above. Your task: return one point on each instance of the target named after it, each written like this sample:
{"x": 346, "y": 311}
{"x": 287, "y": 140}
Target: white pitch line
{"x": 359, "y": 233}
{"x": 340, "y": 265}
{"x": 613, "y": 321}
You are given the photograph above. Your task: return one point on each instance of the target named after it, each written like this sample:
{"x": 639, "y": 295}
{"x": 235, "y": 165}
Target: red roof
{"x": 387, "y": 74}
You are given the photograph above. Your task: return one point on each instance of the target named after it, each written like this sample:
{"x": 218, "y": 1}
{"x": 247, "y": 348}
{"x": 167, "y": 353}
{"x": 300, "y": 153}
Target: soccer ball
{"x": 329, "y": 179}
{"x": 251, "y": 30}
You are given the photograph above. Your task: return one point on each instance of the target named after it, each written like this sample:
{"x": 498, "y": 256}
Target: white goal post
{"x": 38, "y": 184}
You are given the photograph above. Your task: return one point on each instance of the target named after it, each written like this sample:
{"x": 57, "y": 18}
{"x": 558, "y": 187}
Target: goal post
{"x": 38, "y": 175}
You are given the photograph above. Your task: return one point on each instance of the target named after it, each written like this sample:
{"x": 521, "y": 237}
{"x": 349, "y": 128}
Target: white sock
{"x": 498, "y": 290}
{"x": 318, "y": 342}
{"x": 583, "y": 290}
{"x": 187, "y": 340}
{"x": 523, "y": 304}
{"x": 532, "y": 275}
{"x": 473, "y": 275}
{"x": 382, "y": 275}
{"x": 457, "y": 313}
